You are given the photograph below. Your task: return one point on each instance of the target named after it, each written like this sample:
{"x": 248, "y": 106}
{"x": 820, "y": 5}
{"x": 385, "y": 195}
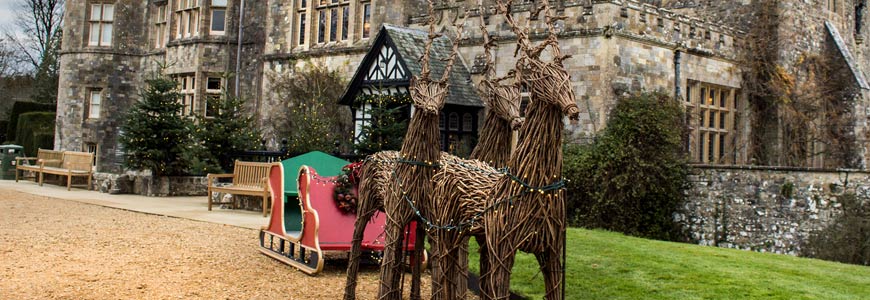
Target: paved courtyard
{"x": 52, "y": 248}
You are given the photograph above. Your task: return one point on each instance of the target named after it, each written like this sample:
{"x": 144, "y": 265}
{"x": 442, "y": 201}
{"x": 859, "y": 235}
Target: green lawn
{"x": 605, "y": 265}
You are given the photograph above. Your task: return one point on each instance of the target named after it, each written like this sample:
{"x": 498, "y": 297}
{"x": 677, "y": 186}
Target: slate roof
{"x": 410, "y": 44}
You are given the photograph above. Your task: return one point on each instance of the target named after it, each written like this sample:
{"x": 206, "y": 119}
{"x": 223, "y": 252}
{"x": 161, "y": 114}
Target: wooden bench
{"x": 73, "y": 164}
{"x": 249, "y": 178}
{"x": 44, "y": 158}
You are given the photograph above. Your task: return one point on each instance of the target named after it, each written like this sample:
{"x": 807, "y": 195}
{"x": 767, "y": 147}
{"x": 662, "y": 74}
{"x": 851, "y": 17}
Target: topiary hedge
{"x": 35, "y": 130}
{"x": 20, "y": 108}
{"x": 632, "y": 178}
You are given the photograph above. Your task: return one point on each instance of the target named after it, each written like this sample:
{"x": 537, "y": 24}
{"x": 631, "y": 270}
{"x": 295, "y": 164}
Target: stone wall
{"x": 766, "y": 209}
{"x": 143, "y": 183}
{"x": 620, "y": 47}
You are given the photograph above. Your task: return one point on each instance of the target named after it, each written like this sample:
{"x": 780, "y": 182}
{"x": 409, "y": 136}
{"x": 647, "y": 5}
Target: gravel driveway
{"x": 59, "y": 249}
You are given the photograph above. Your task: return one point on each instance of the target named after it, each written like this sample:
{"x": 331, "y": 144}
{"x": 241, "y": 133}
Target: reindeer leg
{"x": 495, "y": 283}
{"x": 364, "y": 214}
{"x": 417, "y": 262}
{"x": 551, "y": 266}
{"x": 484, "y": 255}
{"x": 391, "y": 265}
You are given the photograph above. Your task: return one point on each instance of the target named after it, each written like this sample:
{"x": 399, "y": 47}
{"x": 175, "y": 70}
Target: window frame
{"x": 161, "y": 25}
{"x": 187, "y": 14}
{"x": 87, "y": 148}
{"x": 89, "y": 113}
{"x": 212, "y": 93}
{"x": 366, "y": 20}
{"x": 101, "y": 23}
{"x": 188, "y": 91}
{"x": 711, "y": 121}
{"x": 215, "y": 8}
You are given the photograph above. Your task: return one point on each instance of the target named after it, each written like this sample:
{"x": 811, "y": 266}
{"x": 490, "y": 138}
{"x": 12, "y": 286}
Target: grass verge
{"x": 606, "y": 265}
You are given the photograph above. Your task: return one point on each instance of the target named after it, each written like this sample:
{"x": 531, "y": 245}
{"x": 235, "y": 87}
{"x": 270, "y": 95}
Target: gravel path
{"x": 58, "y": 249}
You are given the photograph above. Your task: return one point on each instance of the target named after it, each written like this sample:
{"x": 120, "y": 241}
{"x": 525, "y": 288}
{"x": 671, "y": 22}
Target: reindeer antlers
{"x": 424, "y": 61}
{"x": 455, "y": 51}
{"x": 524, "y": 44}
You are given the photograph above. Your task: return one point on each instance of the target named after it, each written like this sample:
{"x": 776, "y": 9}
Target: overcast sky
{"x": 6, "y": 13}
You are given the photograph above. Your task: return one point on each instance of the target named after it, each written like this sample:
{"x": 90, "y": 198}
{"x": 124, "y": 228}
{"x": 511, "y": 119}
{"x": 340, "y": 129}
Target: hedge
{"x": 35, "y": 130}
{"x": 20, "y": 108}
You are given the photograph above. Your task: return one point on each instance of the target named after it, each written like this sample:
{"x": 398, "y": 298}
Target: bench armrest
{"x": 212, "y": 177}
{"x": 18, "y": 160}
{"x": 265, "y": 182}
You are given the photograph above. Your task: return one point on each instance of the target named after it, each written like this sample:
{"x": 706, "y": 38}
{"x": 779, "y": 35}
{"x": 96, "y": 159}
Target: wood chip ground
{"x": 59, "y": 249}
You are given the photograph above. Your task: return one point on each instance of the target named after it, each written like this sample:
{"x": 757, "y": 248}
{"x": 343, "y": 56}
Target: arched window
{"x": 453, "y": 121}
{"x": 467, "y": 122}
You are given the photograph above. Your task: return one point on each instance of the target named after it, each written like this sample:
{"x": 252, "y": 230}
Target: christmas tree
{"x": 155, "y": 135}
{"x": 388, "y": 123}
{"x": 224, "y": 131}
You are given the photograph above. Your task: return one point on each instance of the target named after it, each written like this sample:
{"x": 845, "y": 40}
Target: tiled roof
{"x": 411, "y": 43}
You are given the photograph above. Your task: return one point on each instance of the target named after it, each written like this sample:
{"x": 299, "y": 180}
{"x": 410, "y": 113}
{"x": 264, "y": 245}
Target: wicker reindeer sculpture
{"x": 526, "y": 211}
{"x": 494, "y": 147}
{"x": 461, "y": 185}
{"x": 411, "y": 188}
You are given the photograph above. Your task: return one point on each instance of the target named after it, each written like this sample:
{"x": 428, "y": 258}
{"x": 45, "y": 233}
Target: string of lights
{"x": 465, "y": 224}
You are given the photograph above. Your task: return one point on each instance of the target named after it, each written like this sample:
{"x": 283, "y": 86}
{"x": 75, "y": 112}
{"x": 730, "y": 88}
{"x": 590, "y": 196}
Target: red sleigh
{"x": 302, "y": 228}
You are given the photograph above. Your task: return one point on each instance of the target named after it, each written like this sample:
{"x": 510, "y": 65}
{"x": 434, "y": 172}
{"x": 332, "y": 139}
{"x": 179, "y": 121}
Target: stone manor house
{"x": 695, "y": 50}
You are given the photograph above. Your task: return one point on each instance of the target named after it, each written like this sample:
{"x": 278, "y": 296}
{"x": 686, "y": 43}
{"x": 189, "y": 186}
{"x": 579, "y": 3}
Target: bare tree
{"x": 10, "y": 60}
{"x": 38, "y": 23}
{"x": 36, "y": 38}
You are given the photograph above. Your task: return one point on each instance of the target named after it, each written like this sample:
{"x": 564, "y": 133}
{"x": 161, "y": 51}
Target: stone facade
{"x": 679, "y": 47}
{"x": 766, "y": 209}
{"x": 116, "y": 70}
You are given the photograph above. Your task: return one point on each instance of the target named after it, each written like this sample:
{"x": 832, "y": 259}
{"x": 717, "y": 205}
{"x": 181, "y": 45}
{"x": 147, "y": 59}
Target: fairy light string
{"x": 465, "y": 224}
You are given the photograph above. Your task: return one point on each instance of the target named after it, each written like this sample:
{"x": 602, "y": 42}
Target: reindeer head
{"x": 504, "y": 102}
{"x": 428, "y": 95}
{"x": 550, "y": 83}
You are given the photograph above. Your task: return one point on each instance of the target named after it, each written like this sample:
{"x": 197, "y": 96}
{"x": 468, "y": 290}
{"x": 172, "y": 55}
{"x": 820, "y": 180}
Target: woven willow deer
{"x": 494, "y": 146}
{"x": 528, "y": 209}
{"x": 461, "y": 185}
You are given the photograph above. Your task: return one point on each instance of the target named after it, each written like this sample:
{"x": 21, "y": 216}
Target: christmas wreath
{"x": 345, "y": 196}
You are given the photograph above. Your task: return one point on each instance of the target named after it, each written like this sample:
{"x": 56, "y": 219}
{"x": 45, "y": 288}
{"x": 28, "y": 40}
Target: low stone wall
{"x": 766, "y": 209}
{"x": 143, "y": 183}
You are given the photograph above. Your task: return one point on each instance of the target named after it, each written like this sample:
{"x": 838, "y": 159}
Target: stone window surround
{"x": 218, "y": 5}
{"x": 329, "y": 25}
{"x": 161, "y": 25}
{"x": 211, "y": 92}
{"x": 89, "y": 112}
{"x": 187, "y": 18}
{"x": 348, "y": 15}
{"x": 102, "y": 23}
{"x": 187, "y": 90}
{"x": 711, "y": 121}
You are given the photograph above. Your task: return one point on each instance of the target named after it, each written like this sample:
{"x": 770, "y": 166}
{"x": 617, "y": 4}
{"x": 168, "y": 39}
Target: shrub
{"x": 632, "y": 178}
{"x": 847, "y": 238}
{"x": 22, "y": 107}
{"x": 35, "y": 130}
{"x": 155, "y": 135}
{"x": 314, "y": 120}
